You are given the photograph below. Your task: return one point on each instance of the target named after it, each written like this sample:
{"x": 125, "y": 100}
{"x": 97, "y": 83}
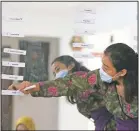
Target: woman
{"x": 25, "y": 124}
{"x": 64, "y": 65}
{"x": 114, "y": 86}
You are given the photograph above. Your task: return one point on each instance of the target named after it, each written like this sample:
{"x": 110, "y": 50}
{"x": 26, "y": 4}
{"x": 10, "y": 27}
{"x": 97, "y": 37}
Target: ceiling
{"x": 48, "y": 7}
{"x": 53, "y": 7}
{"x": 107, "y": 13}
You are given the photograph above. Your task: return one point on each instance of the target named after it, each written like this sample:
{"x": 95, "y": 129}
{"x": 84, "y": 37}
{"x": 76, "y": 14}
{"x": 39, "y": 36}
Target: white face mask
{"x": 62, "y": 74}
{"x": 104, "y": 76}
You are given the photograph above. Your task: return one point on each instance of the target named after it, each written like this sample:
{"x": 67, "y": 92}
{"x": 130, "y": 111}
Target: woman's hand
{"x": 12, "y": 87}
{"x": 22, "y": 86}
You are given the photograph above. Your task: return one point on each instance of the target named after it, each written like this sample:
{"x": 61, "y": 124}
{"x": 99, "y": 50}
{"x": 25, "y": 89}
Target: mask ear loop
{"x": 116, "y": 76}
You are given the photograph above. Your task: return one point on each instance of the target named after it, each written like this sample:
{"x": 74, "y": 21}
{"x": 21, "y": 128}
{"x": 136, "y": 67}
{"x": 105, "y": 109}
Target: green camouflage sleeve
{"x": 72, "y": 84}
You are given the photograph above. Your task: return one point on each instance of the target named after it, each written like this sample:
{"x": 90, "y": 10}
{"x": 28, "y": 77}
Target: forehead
{"x": 107, "y": 62}
{"x": 58, "y": 64}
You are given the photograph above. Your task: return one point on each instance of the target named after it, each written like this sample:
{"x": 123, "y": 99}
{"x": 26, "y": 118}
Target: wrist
{"x": 41, "y": 83}
{"x": 37, "y": 88}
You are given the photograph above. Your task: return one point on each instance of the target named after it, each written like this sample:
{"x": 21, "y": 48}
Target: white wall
{"x": 43, "y": 111}
{"x": 57, "y": 20}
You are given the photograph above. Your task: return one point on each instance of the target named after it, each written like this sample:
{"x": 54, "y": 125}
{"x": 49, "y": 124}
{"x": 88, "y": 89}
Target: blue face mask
{"x": 62, "y": 74}
{"x": 104, "y": 76}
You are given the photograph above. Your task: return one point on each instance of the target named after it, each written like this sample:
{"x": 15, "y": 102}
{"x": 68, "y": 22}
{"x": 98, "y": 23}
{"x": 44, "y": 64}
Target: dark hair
{"x": 124, "y": 57}
{"x": 68, "y": 60}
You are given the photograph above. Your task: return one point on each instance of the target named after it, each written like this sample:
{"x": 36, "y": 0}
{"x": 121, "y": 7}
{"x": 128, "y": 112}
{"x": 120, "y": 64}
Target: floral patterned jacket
{"x": 90, "y": 94}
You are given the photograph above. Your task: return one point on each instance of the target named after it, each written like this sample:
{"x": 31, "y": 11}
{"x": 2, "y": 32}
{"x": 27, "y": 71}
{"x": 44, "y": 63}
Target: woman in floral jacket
{"x": 114, "y": 86}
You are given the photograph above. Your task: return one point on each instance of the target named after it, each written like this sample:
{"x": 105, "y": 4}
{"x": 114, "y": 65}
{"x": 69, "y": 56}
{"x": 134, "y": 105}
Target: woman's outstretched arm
{"x": 75, "y": 83}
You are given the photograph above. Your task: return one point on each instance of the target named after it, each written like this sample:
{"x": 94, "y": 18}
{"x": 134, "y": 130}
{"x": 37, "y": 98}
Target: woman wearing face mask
{"x": 64, "y": 65}
{"x": 114, "y": 86}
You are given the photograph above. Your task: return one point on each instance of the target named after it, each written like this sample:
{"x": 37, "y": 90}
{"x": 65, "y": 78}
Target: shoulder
{"x": 92, "y": 75}
{"x": 95, "y": 74}
{"x": 99, "y": 83}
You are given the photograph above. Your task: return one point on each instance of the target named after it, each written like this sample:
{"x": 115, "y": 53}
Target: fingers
{"x": 12, "y": 87}
{"x": 23, "y": 85}
{"x": 37, "y": 88}
{"x": 20, "y": 87}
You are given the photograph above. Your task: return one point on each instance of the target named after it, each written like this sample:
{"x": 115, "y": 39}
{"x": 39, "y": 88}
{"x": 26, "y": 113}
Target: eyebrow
{"x": 105, "y": 64}
{"x": 56, "y": 67}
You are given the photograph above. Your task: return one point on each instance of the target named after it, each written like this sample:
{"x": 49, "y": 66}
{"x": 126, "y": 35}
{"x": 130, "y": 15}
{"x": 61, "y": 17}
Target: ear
{"x": 71, "y": 66}
{"x": 123, "y": 72}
